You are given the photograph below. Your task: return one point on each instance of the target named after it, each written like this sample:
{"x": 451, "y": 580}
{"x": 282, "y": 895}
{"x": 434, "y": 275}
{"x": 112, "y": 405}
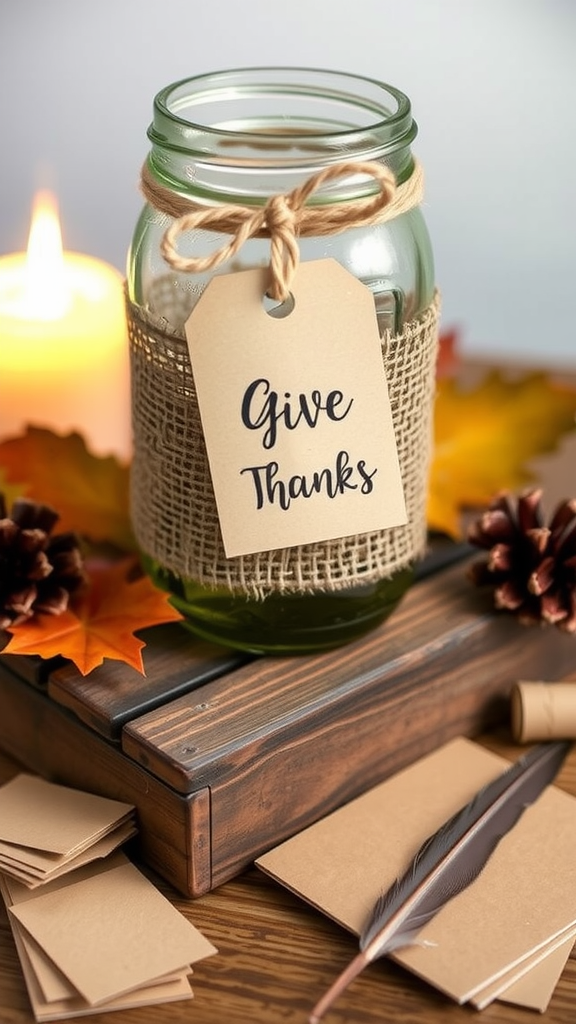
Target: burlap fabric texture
{"x": 173, "y": 506}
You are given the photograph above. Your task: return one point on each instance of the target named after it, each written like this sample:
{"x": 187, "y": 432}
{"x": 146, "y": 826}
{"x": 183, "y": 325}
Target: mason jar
{"x": 239, "y": 137}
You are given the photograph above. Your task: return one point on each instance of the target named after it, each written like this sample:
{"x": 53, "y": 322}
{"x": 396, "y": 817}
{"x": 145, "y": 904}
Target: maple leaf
{"x": 100, "y": 622}
{"x": 484, "y": 437}
{"x": 89, "y": 492}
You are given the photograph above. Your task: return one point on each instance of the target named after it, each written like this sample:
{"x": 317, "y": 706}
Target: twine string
{"x": 284, "y": 218}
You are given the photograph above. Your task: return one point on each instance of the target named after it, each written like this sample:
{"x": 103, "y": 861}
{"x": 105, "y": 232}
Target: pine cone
{"x": 37, "y": 572}
{"x": 532, "y": 567}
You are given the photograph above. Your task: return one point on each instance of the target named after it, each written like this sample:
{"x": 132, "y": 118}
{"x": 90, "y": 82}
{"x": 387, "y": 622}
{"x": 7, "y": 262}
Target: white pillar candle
{"x": 63, "y": 348}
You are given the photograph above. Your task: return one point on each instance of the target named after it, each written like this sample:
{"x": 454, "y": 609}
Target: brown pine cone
{"x": 531, "y": 566}
{"x": 37, "y": 572}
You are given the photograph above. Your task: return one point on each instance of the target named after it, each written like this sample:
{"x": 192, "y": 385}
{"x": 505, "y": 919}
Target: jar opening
{"x": 268, "y": 120}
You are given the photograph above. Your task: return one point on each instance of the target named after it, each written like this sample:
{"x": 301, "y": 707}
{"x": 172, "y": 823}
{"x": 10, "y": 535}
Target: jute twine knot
{"x": 283, "y": 218}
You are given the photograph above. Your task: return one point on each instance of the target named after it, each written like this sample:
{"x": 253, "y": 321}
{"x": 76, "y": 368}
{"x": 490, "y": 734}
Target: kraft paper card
{"x": 532, "y": 983}
{"x": 31, "y": 874}
{"x": 135, "y": 937}
{"x": 524, "y": 898}
{"x": 64, "y": 1007}
{"x": 52, "y": 982}
{"x": 535, "y": 989}
{"x": 44, "y": 816}
{"x": 51, "y": 994}
{"x": 15, "y": 891}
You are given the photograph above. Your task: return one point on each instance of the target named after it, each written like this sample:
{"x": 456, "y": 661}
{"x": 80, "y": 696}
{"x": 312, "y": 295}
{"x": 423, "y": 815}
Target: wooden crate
{"x": 225, "y": 756}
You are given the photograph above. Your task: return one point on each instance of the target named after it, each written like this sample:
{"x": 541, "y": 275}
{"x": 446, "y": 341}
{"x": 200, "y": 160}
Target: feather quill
{"x": 449, "y": 861}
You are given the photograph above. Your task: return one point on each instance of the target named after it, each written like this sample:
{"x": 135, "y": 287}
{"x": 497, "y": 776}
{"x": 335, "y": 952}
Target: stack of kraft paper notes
{"x": 507, "y": 936}
{"x": 92, "y": 932}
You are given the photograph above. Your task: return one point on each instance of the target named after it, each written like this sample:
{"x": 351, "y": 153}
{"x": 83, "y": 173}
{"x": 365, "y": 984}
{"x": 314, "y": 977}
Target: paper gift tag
{"x": 295, "y": 410}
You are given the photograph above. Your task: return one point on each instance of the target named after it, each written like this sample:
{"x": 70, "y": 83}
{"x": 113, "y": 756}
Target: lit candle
{"x": 63, "y": 348}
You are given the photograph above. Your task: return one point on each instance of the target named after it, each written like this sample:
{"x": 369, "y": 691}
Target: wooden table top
{"x": 277, "y": 956}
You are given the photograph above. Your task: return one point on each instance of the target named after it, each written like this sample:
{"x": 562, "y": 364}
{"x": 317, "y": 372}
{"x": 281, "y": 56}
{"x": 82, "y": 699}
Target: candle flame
{"x": 47, "y": 295}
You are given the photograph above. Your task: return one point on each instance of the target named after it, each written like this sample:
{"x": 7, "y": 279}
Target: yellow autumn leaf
{"x": 485, "y": 436}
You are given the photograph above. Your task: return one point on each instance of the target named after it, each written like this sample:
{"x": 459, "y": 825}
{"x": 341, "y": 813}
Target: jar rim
{"x": 226, "y": 136}
{"x": 280, "y": 80}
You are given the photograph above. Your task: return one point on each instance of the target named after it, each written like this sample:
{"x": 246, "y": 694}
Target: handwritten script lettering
{"x": 269, "y": 411}
{"x": 345, "y": 476}
{"x": 264, "y": 409}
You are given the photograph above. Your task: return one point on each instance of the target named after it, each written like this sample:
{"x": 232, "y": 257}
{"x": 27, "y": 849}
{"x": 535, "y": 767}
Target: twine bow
{"x": 283, "y": 218}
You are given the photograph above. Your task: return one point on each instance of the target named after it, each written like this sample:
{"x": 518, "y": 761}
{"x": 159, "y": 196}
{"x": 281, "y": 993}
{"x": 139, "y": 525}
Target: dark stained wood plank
{"x": 175, "y": 662}
{"x": 33, "y": 669}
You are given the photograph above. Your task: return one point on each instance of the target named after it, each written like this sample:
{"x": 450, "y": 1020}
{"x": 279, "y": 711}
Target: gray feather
{"x": 454, "y": 856}
{"x": 450, "y": 860}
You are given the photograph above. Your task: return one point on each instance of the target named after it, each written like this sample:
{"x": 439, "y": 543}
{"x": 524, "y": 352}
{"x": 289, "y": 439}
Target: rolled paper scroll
{"x": 543, "y": 711}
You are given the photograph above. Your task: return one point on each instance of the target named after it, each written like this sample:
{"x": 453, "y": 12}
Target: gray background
{"x": 493, "y": 85}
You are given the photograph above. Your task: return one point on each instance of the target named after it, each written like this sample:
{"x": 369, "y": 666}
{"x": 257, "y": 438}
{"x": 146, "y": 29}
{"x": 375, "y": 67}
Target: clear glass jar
{"x": 239, "y": 137}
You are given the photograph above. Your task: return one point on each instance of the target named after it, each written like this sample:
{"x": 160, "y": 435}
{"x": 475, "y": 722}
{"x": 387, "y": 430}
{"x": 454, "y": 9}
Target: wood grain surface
{"x": 175, "y": 663}
{"x": 276, "y": 956}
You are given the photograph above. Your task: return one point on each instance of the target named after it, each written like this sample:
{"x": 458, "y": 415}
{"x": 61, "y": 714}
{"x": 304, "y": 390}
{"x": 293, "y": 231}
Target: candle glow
{"x": 46, "y": 295}
{"x": 63, "y": 347}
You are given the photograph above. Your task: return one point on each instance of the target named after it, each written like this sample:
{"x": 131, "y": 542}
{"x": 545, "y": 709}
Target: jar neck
{"x": 241, "y": 136}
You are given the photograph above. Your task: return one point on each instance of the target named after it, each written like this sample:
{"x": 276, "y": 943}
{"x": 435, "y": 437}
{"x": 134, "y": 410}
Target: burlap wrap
{"x": 173, "y": 507}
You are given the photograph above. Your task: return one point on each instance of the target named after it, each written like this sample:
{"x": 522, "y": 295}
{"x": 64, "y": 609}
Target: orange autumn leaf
{"x": 485, "y": 436}
{"x": 89, "y": 492}
{"x": 100, "y": 622}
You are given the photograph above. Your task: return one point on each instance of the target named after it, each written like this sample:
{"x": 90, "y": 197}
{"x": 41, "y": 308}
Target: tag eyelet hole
{"x": 278, "y": 310}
